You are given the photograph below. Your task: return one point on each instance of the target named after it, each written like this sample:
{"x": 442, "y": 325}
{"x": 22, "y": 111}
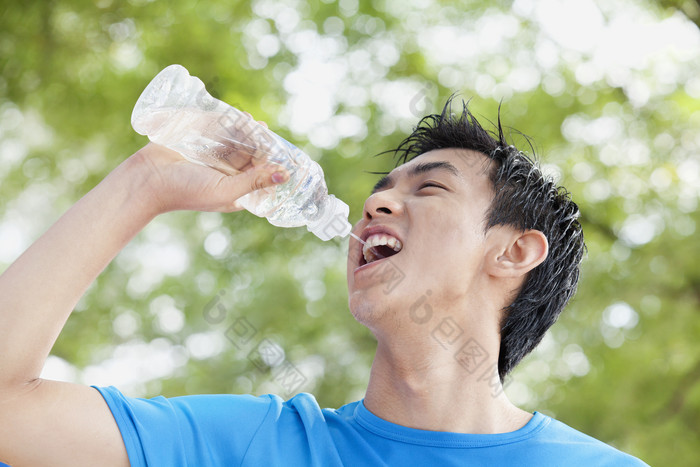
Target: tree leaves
{"x": 614, "y": 116}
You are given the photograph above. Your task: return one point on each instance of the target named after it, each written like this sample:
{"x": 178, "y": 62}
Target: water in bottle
{"x": 176, "y": 111}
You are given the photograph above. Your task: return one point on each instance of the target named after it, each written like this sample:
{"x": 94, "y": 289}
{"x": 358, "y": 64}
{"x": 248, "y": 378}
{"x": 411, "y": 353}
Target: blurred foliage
{"x": 608, "y": 90}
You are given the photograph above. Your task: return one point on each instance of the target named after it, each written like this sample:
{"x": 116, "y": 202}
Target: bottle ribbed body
{"x": 176, "y": 111}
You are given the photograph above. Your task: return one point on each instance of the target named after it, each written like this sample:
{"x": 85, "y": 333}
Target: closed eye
{"x": 431, "y": 185}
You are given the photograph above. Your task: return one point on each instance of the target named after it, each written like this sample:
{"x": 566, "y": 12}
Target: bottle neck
{"x": 332, "y": 220}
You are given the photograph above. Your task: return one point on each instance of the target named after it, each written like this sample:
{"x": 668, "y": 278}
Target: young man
{"x": 488, "y": 252}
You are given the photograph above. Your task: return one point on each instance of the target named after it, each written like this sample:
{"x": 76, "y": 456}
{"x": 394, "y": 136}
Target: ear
{"x": 516, "y": 253}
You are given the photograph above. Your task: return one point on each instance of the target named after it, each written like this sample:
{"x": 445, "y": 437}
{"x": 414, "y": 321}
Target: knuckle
{"x": 259, "y": 181}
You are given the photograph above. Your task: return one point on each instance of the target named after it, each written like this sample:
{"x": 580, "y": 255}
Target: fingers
{"x": 256, "y": 178}
{"x": 237, "y": 155}
{"x": 265, "y": 176}
{"x": 256, "y": 158}
{"x": 259, "y": 121}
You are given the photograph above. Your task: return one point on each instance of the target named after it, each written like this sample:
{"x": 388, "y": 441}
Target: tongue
{"x": 383, "y": 251}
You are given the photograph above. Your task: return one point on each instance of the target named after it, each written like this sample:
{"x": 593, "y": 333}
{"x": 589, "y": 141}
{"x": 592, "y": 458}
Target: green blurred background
{"x": 609, "y": 91}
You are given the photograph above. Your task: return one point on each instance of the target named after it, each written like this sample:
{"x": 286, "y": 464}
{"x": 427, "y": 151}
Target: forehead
{"x": 467, "y": 165}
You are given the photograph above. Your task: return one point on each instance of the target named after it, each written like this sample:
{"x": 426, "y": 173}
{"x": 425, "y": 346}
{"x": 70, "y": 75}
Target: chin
{"x": 375, "y": 309}
{"x": 365, "y": 309}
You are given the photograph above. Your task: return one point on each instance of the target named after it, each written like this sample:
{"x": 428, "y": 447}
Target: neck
{"x": 439, "y": 387}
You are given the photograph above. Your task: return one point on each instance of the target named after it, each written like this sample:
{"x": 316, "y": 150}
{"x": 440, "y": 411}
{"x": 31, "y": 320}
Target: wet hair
{"x": 524, "y": 198}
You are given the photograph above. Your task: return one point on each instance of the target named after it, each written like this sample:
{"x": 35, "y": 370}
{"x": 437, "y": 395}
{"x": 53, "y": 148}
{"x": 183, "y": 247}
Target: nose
{"x": 382, "y": 203}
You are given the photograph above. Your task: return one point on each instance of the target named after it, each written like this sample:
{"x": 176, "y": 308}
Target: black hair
{"x": 524, "y": 198}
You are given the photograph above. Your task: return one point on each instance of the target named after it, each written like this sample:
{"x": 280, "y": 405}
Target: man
{"x": 488, "y": 250}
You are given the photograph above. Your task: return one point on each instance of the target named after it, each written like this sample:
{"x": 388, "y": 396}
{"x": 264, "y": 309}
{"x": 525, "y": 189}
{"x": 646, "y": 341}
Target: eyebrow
{"x": 417, "y": 170}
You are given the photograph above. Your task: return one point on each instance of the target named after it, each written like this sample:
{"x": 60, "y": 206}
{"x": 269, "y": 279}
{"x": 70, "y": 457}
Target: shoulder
{"x": 305, "y": 407}
{"x": 587, "y": 450}
{"x": 164, "y": 431}
{"x": 203, "y": 404}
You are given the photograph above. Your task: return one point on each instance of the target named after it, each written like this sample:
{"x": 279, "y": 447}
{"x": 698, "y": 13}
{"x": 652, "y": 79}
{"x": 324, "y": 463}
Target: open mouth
{"x": 379, "y": 246}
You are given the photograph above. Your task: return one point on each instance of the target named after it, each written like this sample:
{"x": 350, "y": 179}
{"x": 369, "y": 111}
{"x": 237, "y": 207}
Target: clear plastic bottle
{"x": 176, "y": 111}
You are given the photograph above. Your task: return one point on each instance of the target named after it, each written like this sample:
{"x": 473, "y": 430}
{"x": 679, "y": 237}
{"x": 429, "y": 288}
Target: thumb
{"x": 253, "y": 179}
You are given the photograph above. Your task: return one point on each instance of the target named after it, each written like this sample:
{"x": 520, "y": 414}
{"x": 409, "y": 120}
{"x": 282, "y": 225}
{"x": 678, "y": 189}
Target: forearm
{"x": 39, "y": 290}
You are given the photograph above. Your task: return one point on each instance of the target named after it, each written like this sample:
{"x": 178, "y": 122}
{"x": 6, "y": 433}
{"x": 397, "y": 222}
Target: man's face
{"x": 435, "y": 206}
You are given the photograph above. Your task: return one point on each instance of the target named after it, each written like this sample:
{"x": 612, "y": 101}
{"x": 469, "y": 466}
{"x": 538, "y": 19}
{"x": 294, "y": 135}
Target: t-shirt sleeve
{"x": 188, "y": 430}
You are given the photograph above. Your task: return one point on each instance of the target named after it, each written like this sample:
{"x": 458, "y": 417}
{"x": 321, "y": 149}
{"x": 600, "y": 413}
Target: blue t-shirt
{"x": 231, "y": 430}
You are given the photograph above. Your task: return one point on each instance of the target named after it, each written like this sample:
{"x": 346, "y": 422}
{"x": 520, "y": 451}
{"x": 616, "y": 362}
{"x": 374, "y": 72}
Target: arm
{"x": 44, "y": 422}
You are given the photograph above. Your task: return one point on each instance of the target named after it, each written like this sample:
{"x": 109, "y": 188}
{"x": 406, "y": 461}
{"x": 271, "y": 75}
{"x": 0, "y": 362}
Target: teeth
{"x": 377, "y": 240}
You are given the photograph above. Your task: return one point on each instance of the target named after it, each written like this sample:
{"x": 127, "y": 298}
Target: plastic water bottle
{"x": 176, "y": 111}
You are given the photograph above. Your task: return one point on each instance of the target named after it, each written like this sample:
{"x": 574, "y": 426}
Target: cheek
{"x": 452, "y": 228}
{"x": 451, "y": 252}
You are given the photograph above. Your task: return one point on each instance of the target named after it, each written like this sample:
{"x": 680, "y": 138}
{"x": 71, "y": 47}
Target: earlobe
{"x": 521, "y": 253}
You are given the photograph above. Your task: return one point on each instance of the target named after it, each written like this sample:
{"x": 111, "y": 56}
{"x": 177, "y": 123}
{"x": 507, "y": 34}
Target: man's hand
{"x": 173, "y": 183}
